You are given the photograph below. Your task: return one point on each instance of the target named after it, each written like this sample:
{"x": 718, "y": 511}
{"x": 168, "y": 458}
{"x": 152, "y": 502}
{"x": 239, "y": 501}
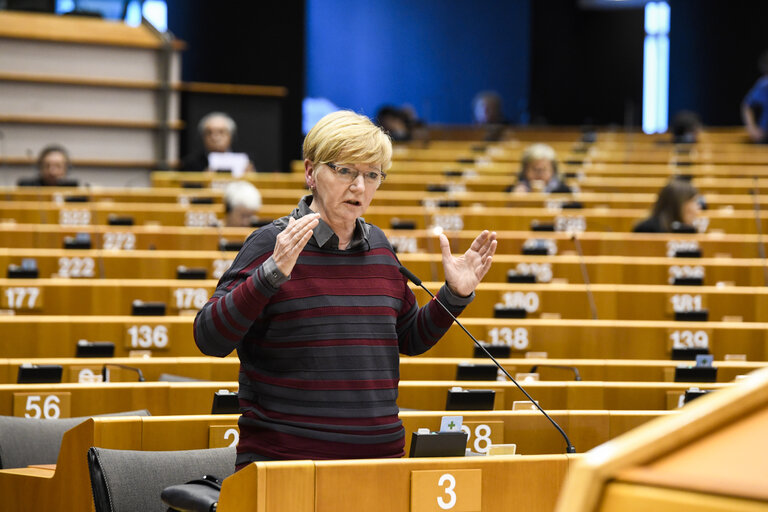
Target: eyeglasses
{"x": 349, "y": 175}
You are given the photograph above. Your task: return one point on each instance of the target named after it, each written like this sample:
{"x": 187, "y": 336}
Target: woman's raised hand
{"x": 464, "y": 273}
{"x": 291, "y": 241}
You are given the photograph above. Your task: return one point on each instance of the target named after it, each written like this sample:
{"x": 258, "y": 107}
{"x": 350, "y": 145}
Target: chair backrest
{"x": 130, "y": 480}
{"x": 25, "y": 441}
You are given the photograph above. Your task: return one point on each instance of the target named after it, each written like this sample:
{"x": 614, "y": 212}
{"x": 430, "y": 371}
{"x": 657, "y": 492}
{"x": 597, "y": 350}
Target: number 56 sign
{"x": 457, "y": 490}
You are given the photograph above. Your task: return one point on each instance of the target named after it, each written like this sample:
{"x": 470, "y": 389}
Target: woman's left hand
{"x": 464, "y": 273}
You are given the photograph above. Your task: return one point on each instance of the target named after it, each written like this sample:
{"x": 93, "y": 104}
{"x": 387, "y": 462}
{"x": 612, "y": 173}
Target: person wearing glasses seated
{"x": 675, "y": 211}
{"x": 53, "y": 164}
{"x": 318, "y": 311}
{"x": 538, "y": 171}
{"x": 218, "y": 131}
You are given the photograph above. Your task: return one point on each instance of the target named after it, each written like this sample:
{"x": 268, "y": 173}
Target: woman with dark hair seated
{"x": 676, "y": 208}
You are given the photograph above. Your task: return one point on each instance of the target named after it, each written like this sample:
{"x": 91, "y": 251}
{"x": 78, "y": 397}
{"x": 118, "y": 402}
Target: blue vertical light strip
{"x": 662, "y": 84}
{"x": 649, "y": 85}
{"x": 656, "y": 67}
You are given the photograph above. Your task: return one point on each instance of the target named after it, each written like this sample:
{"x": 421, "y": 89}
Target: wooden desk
{"x": 57, "y": 336}
{"x": 88, "y": 370}
{"x": 160, "y": 398}
{"x": 127, "y": 238}
{"x": 709, "y": 456}
{"x": 451, "y": 219}
{"x": 658, "y": 396}
{"x": 620, "y": 302}
{"x": 418, "y": 176}
{"x": 163, "y": 264}
{"x": 290, "y": 194}
{"x": 531, "y": 431}
{"x": 530, "y": 482}
{"x": 444, "y": 369}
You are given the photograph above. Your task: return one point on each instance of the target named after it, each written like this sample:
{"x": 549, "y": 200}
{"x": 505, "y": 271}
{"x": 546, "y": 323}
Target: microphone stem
{"x": 570, "y": 448}
{"x": 759, "y": 225}
{"x": 585, "y": 276}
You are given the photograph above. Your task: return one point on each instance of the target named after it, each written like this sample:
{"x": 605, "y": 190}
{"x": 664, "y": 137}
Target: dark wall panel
{"x": 245, "y": 42}
{"x": 714, "y": 46}
{"x": 586, "y": 65}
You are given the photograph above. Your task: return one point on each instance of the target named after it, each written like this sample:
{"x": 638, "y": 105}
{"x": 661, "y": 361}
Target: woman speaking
{"x": 318, "y": 311}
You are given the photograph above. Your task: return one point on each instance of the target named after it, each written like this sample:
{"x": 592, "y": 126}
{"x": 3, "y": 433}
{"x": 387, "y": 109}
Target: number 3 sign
{"x": 457, "y": 490}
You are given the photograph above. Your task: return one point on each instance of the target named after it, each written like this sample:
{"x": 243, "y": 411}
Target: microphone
{"x": 132, "y": 368}
{"x": 415, "y": 280}
{"x": 585, "y": 276}
{"x": 759, "y": 225}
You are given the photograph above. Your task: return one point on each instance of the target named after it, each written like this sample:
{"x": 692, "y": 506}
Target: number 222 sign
{"x": 457, "y": 490}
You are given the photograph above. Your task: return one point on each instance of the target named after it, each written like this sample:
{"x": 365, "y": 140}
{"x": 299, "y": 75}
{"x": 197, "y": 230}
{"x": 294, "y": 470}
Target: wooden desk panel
{"x": 290, "y": 194}
{"x": 444, "y": 369}
{"x": 431, "y": 395}
{"x": 160, "y": 398}
{"x": 408, "y": 241}
{"x": 411, "y": 368}
{"x": 57, "y": 336}
{"x": 163, "y": 264}
{"x": 532, "y": 432}
{"x": 622, "y": 302}
{"x": 101, "y": 297}
{"x": 415, "y": 176}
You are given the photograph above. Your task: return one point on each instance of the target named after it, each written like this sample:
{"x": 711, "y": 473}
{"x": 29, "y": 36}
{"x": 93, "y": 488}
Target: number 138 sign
{"x": 457, "y": 490}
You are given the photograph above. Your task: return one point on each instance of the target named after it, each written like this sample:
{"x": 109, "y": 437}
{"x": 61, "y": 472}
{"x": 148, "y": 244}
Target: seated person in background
{"x": 538, "y": 171}
{"x": 52, "y": 166}
{"x": 395, "y": 122}
{"x": 242, "y": 201}
{"x": 685, "y": 127}
{"x": 487, "y": 110}
{"x": 754, "y": 108}
{"x": 676, "y": 208}
{"x": 217, "y": 130}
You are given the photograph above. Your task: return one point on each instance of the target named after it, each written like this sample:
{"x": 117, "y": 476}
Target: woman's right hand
{"x": 291, "y": 241}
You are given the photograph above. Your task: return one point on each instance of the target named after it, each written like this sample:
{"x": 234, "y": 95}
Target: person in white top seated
{"x": 242, "y": 202}
{"x": 217, "y": 131}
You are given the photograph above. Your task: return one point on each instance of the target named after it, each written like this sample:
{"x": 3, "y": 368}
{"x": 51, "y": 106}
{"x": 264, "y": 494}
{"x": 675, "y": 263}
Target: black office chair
{"x": 130, "y": 480}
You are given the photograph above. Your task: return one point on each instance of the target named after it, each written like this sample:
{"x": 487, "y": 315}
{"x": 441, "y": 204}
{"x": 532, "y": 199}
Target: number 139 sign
{"x": 457, "y": 490}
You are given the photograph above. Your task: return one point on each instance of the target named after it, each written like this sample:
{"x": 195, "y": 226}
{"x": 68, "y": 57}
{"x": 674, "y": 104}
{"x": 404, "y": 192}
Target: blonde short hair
{"x": 347, "y": 137}
{"x": 538, "y": 152}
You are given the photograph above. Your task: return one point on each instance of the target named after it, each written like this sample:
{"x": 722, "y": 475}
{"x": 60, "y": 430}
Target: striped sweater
{"x": 319, "y": 351}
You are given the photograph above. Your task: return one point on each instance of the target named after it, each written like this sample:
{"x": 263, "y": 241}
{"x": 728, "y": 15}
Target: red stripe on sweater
{"x": 279, "y": 445}
{"x": 329, "y": 343}
{"x": 221, "y": 328}
{"x": 346, "y": 286}
{"x": 324, "y": 385}
{"x": 330, "y": 422}
{"x": 335, "y": 311}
